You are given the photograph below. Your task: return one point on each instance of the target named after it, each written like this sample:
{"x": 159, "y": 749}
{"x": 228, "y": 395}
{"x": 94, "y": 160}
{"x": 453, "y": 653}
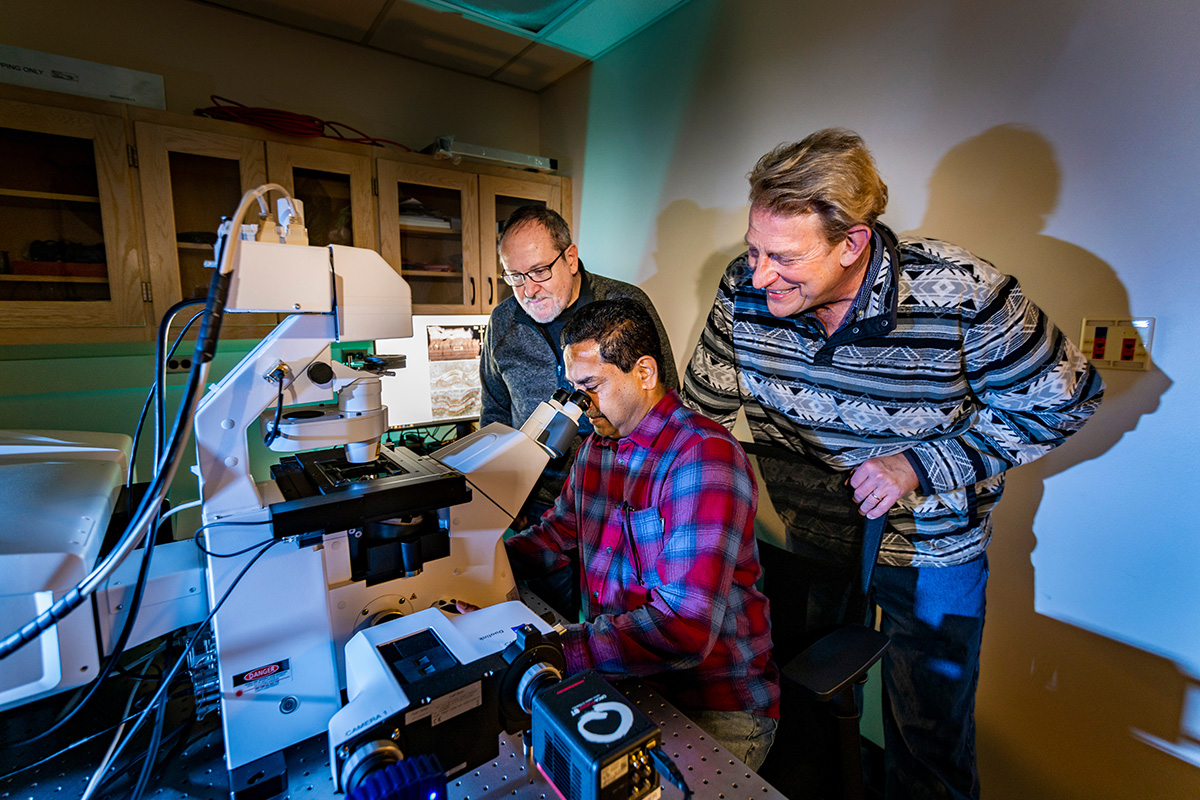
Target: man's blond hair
{"x": 830, "y": 173}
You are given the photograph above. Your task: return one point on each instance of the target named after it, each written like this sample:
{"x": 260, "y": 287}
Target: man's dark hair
{"x": 548, "y": 218}
{"x": 623, "y": 329}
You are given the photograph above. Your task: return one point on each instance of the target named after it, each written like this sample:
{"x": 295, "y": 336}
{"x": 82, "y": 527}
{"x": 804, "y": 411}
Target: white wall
{"x": 202, "y": 50}
{"x": 1058, "y": 140}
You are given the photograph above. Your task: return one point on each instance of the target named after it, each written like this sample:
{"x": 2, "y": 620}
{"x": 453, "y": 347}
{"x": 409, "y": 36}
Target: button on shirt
{"x": 665, "y": 522}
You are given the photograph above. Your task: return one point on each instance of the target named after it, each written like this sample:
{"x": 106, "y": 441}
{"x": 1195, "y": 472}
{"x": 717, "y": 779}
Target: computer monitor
{"x": 440, "y": 381}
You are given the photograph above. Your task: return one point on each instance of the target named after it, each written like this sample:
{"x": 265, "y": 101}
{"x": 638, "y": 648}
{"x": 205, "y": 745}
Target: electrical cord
{"x": 145, "y": 660}
{"x": 177, "y": 736}
{"x": 191, "y": 642}
{"x": 151, "y": 751}
{"x": 672, "y": 773}
{"x": 160, "y": 368}
{"x": 287, "y": 122}
{"x": 98, "y": 774}
{"x": 166, "y": 466}
{"x": 273, "y": 434}
{"x": 147, "y": 510}
{"x": 135, "y": 603}
{"x": 202, "y": 528}
{"x": 118, "y": 650}
{"x": 164, "y": 326}
{"x": 67, "y": 749}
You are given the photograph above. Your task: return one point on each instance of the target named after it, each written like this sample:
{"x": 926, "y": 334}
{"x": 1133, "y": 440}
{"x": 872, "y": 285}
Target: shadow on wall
{"x": 688, "y": 267}
{"x": 1056, "y": 703}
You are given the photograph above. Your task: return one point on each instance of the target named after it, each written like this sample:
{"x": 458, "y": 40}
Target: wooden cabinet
{"x": 190, "y": 180}
{"x": 439, "y": 227}
{"x": 499, "y": 197}
{"x": 108, "y": 214}
{"x": 335, "y": 188}
{"x": 429, "y": 231}
{"x": 68, "y": 256}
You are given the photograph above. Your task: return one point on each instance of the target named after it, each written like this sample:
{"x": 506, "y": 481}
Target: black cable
{"x": 118, "y": 647}
{"x": 152, "y": 498}
{"x": 137, "y": 435}
{"x": 135, "y": 603}
{"x": 178, "y": 737}
{"x": 151, "y": 750}
{"x": 164, "y": 326}
{"x": 191, "y": 642}
{"x": 273, "y": 434}
{"x": 206, "y": 345}
{"x": 202, "y": 549}
{"x": 153, "y": 677}
{"x": 160, "y": 371}
{"x": 68, "y": 748}
{"x": 667, "y": 768}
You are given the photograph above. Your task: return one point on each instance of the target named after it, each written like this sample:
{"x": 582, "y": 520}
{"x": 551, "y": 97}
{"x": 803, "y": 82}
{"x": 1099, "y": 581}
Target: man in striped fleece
{"x": 904, "y": 376}
{"x": 660, "y": 506}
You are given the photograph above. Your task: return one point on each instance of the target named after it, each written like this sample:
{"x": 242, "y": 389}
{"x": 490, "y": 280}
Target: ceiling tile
{"x": 446, "y": 39}
{"x": 345, "y": 19}
{"x": 599, "y": 26}
{"x": 538, "y": 67}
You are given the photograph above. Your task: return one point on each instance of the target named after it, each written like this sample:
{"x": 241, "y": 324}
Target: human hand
{"x": 463, "y": 607}
{"x": 879, "y": 482}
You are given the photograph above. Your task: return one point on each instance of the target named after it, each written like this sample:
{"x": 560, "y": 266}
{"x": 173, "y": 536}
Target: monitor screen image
{"x": 440, "y": 381}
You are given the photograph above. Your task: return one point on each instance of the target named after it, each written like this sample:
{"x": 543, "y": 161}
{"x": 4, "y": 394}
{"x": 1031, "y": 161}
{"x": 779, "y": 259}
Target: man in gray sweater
{"x": 522, "y": 363}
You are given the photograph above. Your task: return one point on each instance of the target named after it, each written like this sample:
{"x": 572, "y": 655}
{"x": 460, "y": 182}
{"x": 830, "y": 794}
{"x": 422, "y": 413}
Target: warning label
{"x": 264, "y": 677}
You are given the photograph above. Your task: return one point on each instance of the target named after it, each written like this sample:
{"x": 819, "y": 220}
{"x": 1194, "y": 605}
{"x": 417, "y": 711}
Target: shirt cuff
{"x": 575, "y": 652}
{"x": 925, "y": 487}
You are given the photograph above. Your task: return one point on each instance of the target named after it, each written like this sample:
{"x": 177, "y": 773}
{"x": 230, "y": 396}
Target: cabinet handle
{"x": 491, "y": 290}
{"x": 472, "y": 291}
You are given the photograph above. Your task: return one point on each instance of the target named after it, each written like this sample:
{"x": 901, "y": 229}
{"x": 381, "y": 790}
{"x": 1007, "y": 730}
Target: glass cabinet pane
{"x": 327, "y": 208}
{"x": 204, "y": 189}
{"x": 51, "y": 228}
{"x": 506, "y": 205}
{"x": 431, "y": 244}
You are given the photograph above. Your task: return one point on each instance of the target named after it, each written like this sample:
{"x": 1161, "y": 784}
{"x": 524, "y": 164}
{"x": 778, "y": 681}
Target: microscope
{"x": 361, "y": 533}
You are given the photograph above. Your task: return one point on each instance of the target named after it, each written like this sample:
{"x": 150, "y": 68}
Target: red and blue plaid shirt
{"x": 664, "y": 522}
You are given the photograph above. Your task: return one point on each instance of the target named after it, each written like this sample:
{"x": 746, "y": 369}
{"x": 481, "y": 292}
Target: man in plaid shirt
{"x": 660, "y": 504}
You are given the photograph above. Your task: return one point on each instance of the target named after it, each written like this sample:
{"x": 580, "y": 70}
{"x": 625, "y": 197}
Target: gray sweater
{"x": 519, "y": 369}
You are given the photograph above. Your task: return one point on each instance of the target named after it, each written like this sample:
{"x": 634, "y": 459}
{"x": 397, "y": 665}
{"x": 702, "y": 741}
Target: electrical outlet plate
{"x": 179, "y": 364}
{"x": 1118, "y": 343}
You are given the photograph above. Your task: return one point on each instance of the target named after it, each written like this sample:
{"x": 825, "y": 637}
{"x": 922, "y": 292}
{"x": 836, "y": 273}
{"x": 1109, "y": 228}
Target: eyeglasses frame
{"x": 521, "y": 277}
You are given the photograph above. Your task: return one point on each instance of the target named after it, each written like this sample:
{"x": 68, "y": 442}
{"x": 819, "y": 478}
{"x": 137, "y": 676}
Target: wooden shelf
{"x": 431, "y": 273}
{"x": 194, "y": 246}
{"x": 71, "y": 198}
{"x": 51, "y": 279}
{"x": 429, "y": 229}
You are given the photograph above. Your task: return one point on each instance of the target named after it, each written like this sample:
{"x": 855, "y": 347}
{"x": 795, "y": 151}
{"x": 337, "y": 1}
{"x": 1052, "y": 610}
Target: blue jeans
{"x": 746, "y": 735}
{"x": 934, "y": 617}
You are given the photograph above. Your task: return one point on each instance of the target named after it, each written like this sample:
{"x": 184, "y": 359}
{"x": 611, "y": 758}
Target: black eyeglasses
{"x": 537, "y": 274}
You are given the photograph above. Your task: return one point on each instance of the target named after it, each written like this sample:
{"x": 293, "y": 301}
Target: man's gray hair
{"x": 829, "y": 173}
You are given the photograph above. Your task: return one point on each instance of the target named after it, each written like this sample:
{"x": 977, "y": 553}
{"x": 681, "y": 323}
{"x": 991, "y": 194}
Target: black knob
{"x": 320, "y": 373}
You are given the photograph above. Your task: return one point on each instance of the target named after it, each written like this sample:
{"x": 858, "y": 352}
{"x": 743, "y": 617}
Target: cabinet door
{"x": 335, "y": 189}
{"x": 429, "y": 231}
{"x": 499, "y": 197}
{"x": 68, "y": 257}
{"x": 190, "y": 180}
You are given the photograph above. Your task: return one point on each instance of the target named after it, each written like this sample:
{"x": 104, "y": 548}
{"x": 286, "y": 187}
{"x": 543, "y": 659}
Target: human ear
{"x": 858, "y": 238}
{"x": 647, "y": 369}
{"x": 571, "y": 257}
